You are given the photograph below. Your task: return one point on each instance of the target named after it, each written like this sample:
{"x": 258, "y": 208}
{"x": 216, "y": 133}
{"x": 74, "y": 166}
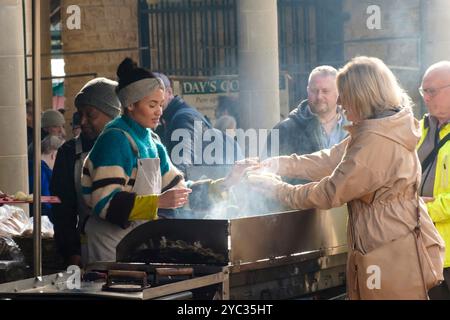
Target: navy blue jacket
{"x": 180, "y": 115}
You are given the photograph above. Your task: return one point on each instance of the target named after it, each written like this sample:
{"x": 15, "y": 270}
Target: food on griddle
{"x": 196, "y": 249}
{"x": 177, "y": 251}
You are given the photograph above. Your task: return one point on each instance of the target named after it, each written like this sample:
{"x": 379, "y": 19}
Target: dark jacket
{"x": 29, "y": 135}
{"x": 299, "y": 133}
{"x": 65, "y": 214}
{"x": 180, "y": 115}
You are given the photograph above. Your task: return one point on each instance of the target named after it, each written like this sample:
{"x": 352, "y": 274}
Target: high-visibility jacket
{"x": 439, "y": 209}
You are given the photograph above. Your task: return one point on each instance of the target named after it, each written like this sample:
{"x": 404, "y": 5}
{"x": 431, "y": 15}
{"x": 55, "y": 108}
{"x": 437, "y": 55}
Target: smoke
{"x": 242, "y": 202}
{"x": 245, "y": 201}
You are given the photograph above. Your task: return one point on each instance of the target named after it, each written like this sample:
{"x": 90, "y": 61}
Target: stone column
{"x": 258, "y": 63}
{"x": 13, "y": 138}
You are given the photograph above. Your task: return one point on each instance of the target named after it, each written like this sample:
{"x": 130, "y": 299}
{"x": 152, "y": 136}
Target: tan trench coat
{"x": 375, "y": 171}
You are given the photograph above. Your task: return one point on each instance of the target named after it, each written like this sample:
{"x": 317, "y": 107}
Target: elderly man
{"x": 52, "y": 123}
{"x": 97, "y": 104}
{"x": 434, "y": 153}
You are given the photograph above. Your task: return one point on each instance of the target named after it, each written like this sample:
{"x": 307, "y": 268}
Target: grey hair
{"x": 51, "y": 143}
{"x": 323, "y": 71}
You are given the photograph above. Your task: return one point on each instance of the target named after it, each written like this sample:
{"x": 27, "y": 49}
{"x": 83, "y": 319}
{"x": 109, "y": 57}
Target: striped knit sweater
{"x": 110, "y": 169}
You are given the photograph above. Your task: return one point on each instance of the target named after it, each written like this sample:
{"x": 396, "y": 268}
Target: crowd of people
{"x": 353, "y": 140}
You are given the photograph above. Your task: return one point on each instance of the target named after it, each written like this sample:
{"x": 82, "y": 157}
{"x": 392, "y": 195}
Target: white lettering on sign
{"x": 210, "y": 86}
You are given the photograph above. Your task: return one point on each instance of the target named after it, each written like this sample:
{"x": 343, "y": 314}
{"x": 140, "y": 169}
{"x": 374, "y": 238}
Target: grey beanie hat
{"x": 52, "y": 118}
{"x": 100, "y": 93}
{"x": 164, "y": 79}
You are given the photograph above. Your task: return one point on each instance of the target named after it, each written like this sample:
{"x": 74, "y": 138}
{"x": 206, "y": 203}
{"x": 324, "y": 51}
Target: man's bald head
{"x": 441, "y": 67}
{"x": 436, "y": 90}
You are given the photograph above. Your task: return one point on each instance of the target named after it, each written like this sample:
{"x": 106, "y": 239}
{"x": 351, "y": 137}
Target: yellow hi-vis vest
{"x": 439, "y": 209}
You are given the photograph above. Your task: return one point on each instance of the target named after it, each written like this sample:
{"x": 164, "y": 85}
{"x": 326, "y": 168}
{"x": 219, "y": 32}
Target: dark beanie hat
{"x": 76, "y": 119}
{"x": 135, "y": 82}
{"x": 100, "y": 93}
{"x": 128, "y": 72}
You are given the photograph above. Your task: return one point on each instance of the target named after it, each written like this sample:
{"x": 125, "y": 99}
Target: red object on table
{"x": 44, "y": 199}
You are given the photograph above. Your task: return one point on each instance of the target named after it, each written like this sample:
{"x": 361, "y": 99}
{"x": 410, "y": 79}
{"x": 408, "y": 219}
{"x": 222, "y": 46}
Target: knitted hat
{"x": 135, "y": 83}
{"x": 52, "y": 118}
{"x": 100, "y": 94}
{"x": 76, "y": 119}
{"x": 164, "y": 78}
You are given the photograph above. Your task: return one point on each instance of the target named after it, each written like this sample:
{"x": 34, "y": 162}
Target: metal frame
{"x": 287, "y": 233}
{"x": 37, "y": 238}
{"x": 304, "y": 250}
{"x": 55, "y": 286}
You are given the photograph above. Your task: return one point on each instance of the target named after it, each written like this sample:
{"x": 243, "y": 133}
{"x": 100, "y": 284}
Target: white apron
{"x": 103, "y": 236}
{"x": 83, "y": 210}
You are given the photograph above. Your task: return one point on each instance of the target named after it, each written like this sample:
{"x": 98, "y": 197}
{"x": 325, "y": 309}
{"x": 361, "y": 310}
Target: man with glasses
{"x": 434, "y": 154}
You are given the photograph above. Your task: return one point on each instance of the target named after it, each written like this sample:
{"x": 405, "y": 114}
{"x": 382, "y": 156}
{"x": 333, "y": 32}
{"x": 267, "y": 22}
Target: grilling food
{"x": 173, "y": 251}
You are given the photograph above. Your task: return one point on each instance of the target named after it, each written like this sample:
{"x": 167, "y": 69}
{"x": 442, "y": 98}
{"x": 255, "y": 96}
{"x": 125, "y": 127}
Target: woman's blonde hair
{"x": 368, "y": 86}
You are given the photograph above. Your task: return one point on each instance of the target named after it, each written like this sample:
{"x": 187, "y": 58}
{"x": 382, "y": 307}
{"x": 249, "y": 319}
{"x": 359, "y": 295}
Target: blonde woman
{"x": 376, "y": 172}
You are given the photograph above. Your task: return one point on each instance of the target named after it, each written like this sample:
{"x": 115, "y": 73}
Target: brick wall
{"x": 105, "y": 24}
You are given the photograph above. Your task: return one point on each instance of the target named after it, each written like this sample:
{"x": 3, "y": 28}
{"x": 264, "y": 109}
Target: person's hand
{"x": 428, "y": 199}
{"x": 174, "y": 198}
{"x": 270, "y": 165}
{"x": 265, "y": 183}
{"x": 239, "y": 169}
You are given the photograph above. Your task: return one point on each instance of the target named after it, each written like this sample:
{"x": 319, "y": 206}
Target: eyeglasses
{"x": 431, "y": 92}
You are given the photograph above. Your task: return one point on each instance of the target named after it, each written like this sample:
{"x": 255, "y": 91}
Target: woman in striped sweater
{"x": 127, "y": 168}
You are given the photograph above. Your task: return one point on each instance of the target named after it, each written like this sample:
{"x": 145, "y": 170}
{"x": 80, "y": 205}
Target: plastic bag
{"x": 46, "y": 228}
{"x": 9, "y": 250}
{"x": 13, "y": 221}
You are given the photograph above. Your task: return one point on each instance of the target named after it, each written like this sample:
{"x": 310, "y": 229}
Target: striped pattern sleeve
{"x": 108, "y": 173}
